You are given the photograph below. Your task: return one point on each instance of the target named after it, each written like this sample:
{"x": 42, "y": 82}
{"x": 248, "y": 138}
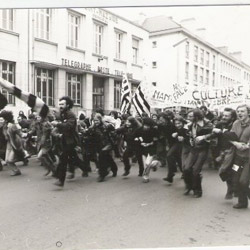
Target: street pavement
{"x": 122, "y": 212}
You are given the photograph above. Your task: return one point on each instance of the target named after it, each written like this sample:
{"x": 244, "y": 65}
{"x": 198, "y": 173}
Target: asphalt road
{"x": 118, "y": 213}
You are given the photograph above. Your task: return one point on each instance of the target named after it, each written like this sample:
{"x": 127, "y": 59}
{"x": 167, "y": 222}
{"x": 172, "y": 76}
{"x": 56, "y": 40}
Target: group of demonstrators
{"x": 63, "y": 142}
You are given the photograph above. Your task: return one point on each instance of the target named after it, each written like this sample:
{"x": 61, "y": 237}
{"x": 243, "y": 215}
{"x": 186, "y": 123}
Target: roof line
{"x": 188, "y": 33}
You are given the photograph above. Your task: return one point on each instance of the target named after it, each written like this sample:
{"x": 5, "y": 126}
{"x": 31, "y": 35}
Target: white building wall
{"x": 29, "y": 51}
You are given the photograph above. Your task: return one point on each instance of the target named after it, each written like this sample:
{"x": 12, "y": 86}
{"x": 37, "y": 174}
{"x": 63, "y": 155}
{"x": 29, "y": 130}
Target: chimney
{"x": 201, "y": 32}
{"x": 224, "y": 49}
{"x": 189, "y": 24}
{"x": 237, "y": 55}
{"x": 141, "y": 18}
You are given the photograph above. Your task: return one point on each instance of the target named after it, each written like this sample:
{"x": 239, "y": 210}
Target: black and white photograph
{"x": 124, "y": 125}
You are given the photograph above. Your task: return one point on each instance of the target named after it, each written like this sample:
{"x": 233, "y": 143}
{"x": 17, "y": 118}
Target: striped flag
{"x": 3, "y": 101}
{"x": 33, "y": 101}
{"x": 140, "y": 103}
{"x": 125, "y": 96}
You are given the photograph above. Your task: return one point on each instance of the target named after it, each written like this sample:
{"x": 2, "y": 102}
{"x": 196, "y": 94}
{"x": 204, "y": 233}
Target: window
{"x": 207, "y": 76}
{"x": 74, "y": 88}
{"x": 202, "y": 56}
{"x": 154, "y": 84}
{"x": 7, "y": 19}
{"x": 195, "y": 73}
{"x": 45, "y": 85}
{"x": 196, "y": 53}
{"x": 187, "y": 49}
{"x": 135, "y": 47}
{"x": 187, "y": 71}
{"x": 7, "y": 72}
{"x": 207, "y": 59}
{"x": 201, "y": 75}
{"x": 118, "y": 50}
{"x": 154, "y": 44}
{"x": 73, "y": 32}
{"x": 98, "y": 93}
{"x": 98, "y": 38}
{"x": 117, "y": 94}
{"x": 213, "y": 62}
{"x": 154, "y": 64}
{"x": 43, "y": 23}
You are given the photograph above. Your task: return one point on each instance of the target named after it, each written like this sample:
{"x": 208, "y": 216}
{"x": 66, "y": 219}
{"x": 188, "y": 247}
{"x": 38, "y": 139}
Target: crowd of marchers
{"x": 62, "y": 142}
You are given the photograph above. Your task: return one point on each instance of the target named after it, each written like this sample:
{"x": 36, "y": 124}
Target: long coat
{"x": 14, "y": 151}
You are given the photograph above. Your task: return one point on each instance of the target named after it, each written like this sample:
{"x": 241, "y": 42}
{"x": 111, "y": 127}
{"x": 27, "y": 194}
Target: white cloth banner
{"x": 186, "y": 96}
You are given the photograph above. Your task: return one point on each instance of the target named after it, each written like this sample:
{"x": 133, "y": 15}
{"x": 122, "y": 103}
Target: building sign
{"x": 103, "y": 70}
{"x": 103, "y": 15}
{"x": 75, "y": 64}
{"x": 121, "y": 73}
{"x": 88, "y": 67}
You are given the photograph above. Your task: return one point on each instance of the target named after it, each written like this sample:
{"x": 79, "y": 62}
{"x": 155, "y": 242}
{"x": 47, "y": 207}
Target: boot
{"x": 59, "y": 183}
{"x": 197, "y": 186}
{"x": 126, "y": 173}
{"x": 187, "y": 176}
{"x": 100, "y": 179}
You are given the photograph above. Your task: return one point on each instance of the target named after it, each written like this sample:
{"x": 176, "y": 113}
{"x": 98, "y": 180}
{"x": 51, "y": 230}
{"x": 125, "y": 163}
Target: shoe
{"x": 114, "y": 174}
{"x": 47, "y": 173}
{"x": 239, "y": 206}
{"x": 59, "y": 184}
{"x": 187, "y": 191}
{"x": 70, "y": 176}
{"x": 85, "y": 175}
{"x": 140, "y": 174}
{"x": 168, "y": 179}
{"x": 100, "y": 179}
{"x": 16, "y": 173}
{"x": 198, "y": 195}
{"x": 145, "y": 179}
{"x": 228, "y": 196}
{"x": 154, "y": 168}
{"x": 1, "y": 167}
{"x": 25, "y": 162}
{"x": 126, "y": 173}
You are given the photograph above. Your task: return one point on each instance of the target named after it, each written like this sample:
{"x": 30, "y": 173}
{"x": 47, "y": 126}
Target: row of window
{"x": 43, "y": 23}
{"x": 225, "y": 81}
{"x": 230, "y": 68}
{"x": 202, "y": 71}
{"x": 200, "y": 55}
{"x": 246, "y": 76}
{"x": 44, "y": 86}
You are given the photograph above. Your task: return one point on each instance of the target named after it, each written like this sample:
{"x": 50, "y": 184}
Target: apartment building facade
{"x": 82, "y": 53}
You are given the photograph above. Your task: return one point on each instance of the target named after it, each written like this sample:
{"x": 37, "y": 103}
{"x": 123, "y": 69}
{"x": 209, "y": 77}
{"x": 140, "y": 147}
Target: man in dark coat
{"x": 222, "y": 132}
{"x": 67, "y": 131}
{"x": 199, "y": 131}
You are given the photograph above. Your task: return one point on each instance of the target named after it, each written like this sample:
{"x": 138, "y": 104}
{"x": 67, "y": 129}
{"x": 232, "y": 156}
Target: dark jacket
{"x": 129, "y": 136}
{"x": 67, "y": 128}
{"x": 201, "y": 130}
{"x": 102, "y": 136}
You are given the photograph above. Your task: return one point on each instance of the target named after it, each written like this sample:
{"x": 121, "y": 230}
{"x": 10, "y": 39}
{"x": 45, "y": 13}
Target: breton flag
{"x": 3, "y": 101}
{"x": 140, "y": 103}
{"x": 33, "y": 101}
{"x": 125, "y": 96}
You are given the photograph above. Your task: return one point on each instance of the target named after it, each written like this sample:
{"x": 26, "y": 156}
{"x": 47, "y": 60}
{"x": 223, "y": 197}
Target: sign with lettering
{"x": 103, "y": 15}
{"x": 178, "y": 95}
{"x": 88, "y": 67}
{"x": 75, "y": 64}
